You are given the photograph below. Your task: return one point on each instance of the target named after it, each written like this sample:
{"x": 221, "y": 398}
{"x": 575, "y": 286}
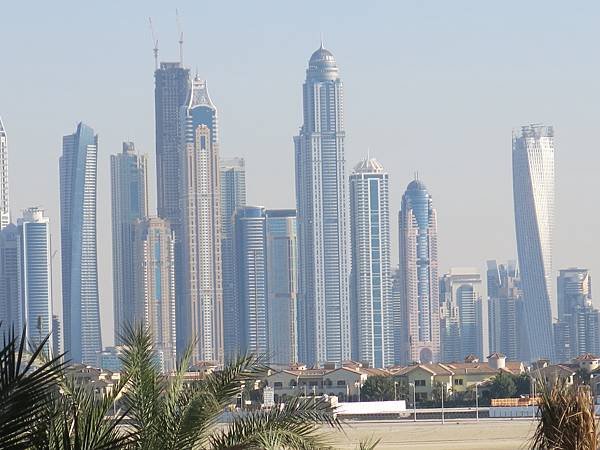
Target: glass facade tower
{"x": 533, "y": 189}
{"x": 129, "y": 201}
{"x": 321, "y": 199}
{"x": 35, "y": 276}
{"x": 81, "y": 309}
{"x": 251, "y": 270}
{"x": 233, "y": 196}
{"x": 371, "y": 283}
{"x": 282, "y": 285}
{"x": 419, "y": 283}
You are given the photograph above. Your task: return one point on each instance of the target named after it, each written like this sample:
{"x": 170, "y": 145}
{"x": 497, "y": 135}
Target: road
{"x": 454, "y": 435}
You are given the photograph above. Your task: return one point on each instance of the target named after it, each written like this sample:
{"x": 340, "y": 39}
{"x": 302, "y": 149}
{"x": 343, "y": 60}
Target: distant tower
{"x": 171, "y": 91}
{"x": 505, "y": 310}
{"x": 201, "y": 231}
{"x": 533, "y": 188}
{"x": 10, "y": 312}
{"x": 233, "y": 196}
{"x": 35, "y": 276}
{"x": 461, "y": 312}
{"x": 282, "y": 285}
{"x": 321, "y": 199}
{"x": 56, "y": 335}
{"x": 4, "y": 205}
{"x": 578, "y": 328}
{"x": 251, "y": 270}
{"x": 154, "y": 284}
{"x": 81, "y": 309}
{"x": 128, "y": 177}
{"x": 419, "y": 275}
{"x": 371, "y": 290}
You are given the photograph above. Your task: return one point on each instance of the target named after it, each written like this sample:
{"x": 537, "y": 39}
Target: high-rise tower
{"x": 129, "y": 201}
{"x": 35, "y": 275}
{"x": 4, "y": 205}
{"x": 251, "y": 271}
{"x": 233, "y": 196}
{"x": 282, "y": 285}
{"x": 321, "y": 199}
{"x": 533, "y": 189}
{"x": 154, "y": 282}
{"x": 202, "y": 294}
{"x": 171, "y": 91}
{"x": 419, "y": 283}
{"x": 81, "y": 309}
{"x": 461, "y": 311}
{"x": 371, "y": 290}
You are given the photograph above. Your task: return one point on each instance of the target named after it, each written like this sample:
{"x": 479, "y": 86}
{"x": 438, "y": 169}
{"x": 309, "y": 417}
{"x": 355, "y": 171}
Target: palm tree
{"x": 566, "y": 418}
{"x": 167, "y": 413}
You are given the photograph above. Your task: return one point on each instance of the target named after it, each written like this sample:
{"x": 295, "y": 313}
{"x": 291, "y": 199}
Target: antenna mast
{"x": 180, "y": 36}
{"x": 155, "y": 43}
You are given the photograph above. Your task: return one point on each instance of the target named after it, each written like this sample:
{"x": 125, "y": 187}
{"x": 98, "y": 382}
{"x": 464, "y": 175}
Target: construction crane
{"x": 180, "y": 36}
{"x": 155, "y": 43}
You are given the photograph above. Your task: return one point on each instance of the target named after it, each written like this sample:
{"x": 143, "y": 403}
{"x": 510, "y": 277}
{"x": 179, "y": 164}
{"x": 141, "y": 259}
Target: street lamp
{"x": 477, "y": 401}
{"x": 357, "y": 385}
{"x": 443, "y": 389}
{"x": 395, "y": 390}
{"x": 414, "y": 401}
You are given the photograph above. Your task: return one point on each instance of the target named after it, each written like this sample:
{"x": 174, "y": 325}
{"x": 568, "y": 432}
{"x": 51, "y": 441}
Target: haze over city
{"x": 430, "y": 87}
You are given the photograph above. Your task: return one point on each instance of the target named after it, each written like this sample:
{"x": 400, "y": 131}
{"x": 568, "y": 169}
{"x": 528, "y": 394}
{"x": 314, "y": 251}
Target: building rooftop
{"x": 368, "y": 165}
{"x": 416, "y": 185}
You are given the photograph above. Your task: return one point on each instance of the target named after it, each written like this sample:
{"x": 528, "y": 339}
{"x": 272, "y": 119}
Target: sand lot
{"x": 463, "y": 435}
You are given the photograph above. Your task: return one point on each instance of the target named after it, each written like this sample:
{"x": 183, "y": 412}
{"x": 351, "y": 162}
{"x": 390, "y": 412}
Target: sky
{"x": 433, "y": 87}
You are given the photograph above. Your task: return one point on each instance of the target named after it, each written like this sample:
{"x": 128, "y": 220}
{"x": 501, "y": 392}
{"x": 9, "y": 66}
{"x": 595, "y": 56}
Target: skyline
{"x": 462, "y": 139}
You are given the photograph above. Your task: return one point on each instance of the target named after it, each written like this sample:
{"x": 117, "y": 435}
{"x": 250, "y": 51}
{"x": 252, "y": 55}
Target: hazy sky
{"x": 430, "y": 86}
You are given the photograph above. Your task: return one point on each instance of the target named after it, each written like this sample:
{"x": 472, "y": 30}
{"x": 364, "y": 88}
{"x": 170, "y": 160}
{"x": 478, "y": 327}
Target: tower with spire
{"x": 201, "y": 292}
{"x": 321, "y": 199}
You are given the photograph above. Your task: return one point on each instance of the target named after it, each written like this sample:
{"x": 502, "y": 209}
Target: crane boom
{"x": 180, "y": 36}
{"x": 155, "y": 43}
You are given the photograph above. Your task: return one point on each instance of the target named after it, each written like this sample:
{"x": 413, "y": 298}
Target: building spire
{"x": 322, "y": 45}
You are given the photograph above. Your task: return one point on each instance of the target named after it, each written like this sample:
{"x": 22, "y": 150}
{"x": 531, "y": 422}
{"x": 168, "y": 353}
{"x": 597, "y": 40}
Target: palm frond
{"x": 295, "y": 426}
{"x": 369, "y": 443}
{"x": 25, "y": 388}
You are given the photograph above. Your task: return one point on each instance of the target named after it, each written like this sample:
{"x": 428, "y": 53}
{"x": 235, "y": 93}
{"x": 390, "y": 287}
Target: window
{"x": 278, "y": 384}
{"x": 341, "y": 382}
{"x": 420, "y": 383}
{"x": 458, "y": 381}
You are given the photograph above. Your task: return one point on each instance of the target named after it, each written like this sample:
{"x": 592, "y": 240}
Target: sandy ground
{"x": 463, "y": 435}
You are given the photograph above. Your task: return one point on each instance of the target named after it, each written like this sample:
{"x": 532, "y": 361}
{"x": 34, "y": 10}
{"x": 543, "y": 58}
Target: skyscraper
{"x": 282, "y": 285}
{"x": 233, "y": 196}
{"x": 578, "y": 328}
{"x": 321, "y": 199}
{"x": 129, "y": 201}
{"x": 419, "y": 283}
{"x": 56, "y": 335}
{"x": 461, "y": 311}
{"x": 10, "y": 312}
{"x": 371, "y": 282}
{"x": 201, "y": 207}
{"x": 171, "y": 92}
{"x": 154, "y": 284}
{"x": 251, "y": 271}
{"x": 533, "y": 188}
{"x": 35, "y": 275}
{"x": 505, "y": 310}
{"x": 4, "y": 205}
{"x": 81, "y": 310}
